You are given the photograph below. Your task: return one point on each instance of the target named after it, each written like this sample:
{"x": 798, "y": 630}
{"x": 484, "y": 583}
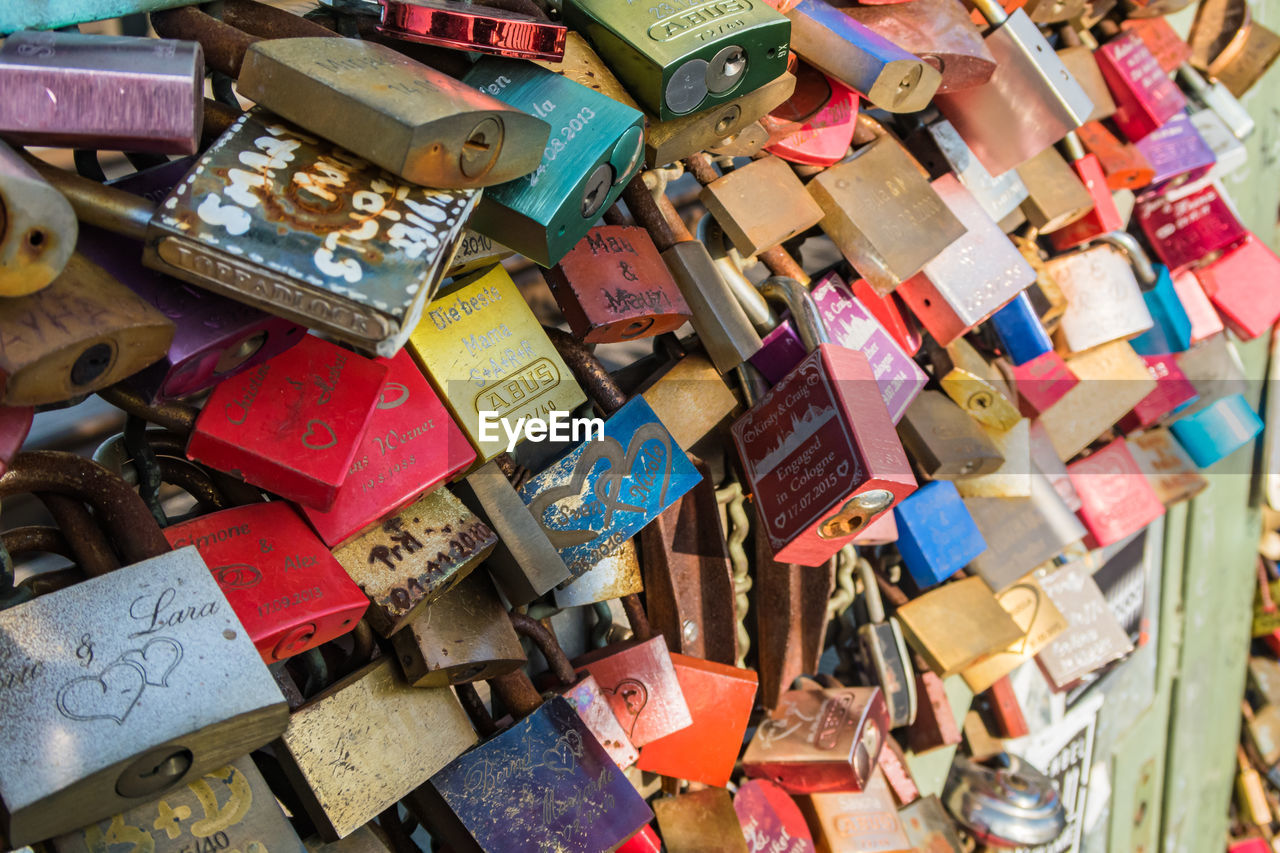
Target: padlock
{"x": 1161, "y": 40}
{"x": 1112, "y": 380}
{"x": 1116, "y": 498}
{"x": 596, "y": 145}
{"x": 1040, "y": 621}
{"x": 1013, "y": 478}
{"x": 1173, "y": 391}
{"x": 815, "y": 125}
{"x": 226, "y": 807}
{"x": 681, "y": 137}
{"x": 461, "y": 636}
{"x": 944, "y": 442}
{"x": 1094, "y": 637}
{"x": 1231, "y": 45}
{"x": 615, "y": 575}
{"x": 870, "y": 64}
{"x": 412, "y": 120}
{"x": 893, "y": 766}
{"x": 1177, "y": 152}
{"x": 644, "y": 841}
{"x": 1229, "y": 153}
{"x": 505, "y": 366}
{"x": 476, "y": 252}
{"x": 1022, "y": 336}
{"x": 1239, "y": 283}
{"x": 803, "y": 429}
{"x": 332, "y": 208}
{"x": 406, "y": 735}
{"x": 1145, "y": 96}
{"x": 81, "y": 333}
{"x": 57, "y": 14}
{"x": 1104, "y": 301}
{"x": 936, "y": 534}
{"x": 929, "y": 827}
{"x": 1029, "y": 103}
{"x": 283, "y": 584}
{"x": 670, "y": 390}
{"x": 856, "y": 822}
{"x": 119, "y": 92}
{"x": 881, "y": 652}
{"x": 825, "y": 739}
{"x": 937, "y": 31}
{"x": 1167, "y": 466}
{"x": 1218, "y": 99}
{"x": 883, "y": 216}
{"x": 1218, "y": 430}
{"x": 1104, "y": 218}
{"x": 1171, "y": 330}
{"x": 581, "y": 65}
{"x": 940, "y": 149}
{"x": 1185, "y": 230}
{"x": 700, "y": 822}
{"x": 1057, "y": 195}
{"x": 1121, "y": 162}
{"x": 896, "y": 320}
{"x": 971, "y": 278}
{"x": 292, "y": 424}
{"x": 1021, "y": 533}
{"x": 1077, "y": 56}
{"x": 1041, "y": 382}
{"x": 672, "y": 64}
{"x": 1007, "y": 803}
{"x": 720, "y": 698}
{"x": 1054, "y": 11}
{"x": 976, "y": 385}
{"x": 105, "y": 683}
{"x": 640, "y": 681}
{"x": 752, "y": 222}
{"x": 955, "y": 624}
{"x": 483, "y": 29}
{"x": 40, "y": 228}
{"x": 935, "y": 727}
{"x": 770, "y": 819}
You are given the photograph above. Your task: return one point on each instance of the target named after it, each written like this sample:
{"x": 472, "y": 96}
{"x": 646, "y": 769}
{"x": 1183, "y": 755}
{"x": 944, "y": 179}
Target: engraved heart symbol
{"x": 318, "y": 427}
{"x": 562, "y": 757}
{"x": 1034, "y": 592}
{"x": 109, "y": 696}
{"x": 157, "y": 659}
{"x": 608, "y": 483}
{"x": 634, "y": 696}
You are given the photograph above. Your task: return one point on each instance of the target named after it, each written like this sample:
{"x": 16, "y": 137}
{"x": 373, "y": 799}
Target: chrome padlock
{"x": 40, "y": 230}
{"x": 1006, "y": 805}
{"x": 881, "y": 652}
{"x": 999, "y": 196}
{"x": 467, "y": 26}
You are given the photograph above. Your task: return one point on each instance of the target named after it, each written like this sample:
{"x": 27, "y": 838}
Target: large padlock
{"x": 1005, "y": 805}
{"x": 1161, "y": 39}
{"x": 40, "y": 228}
{"x": 1104, "y": 300}
{"x": 1021, "y": 533}
{"x": 467, "y": 26}
{"x": 403, "y": 116}
{"x": 937, "y": 31}
{"x": 1117, "y": 500}
{"x": 129, "y": 648}
{"x": 1231, "y": 45}
{"x": 1240, "y": 284}
{"x": 947, "y": 647}
{"x": 1218, "y": 430}
{"x": 760, "y": 205}
{"x": 700, "y": 822}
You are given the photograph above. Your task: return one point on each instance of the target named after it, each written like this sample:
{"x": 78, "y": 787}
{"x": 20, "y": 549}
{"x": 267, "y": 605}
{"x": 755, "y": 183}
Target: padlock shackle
{"x": 106, "y": 207}
{"x": 804, "y": 311}
{"x": 93, "y": 551}
{"x": 1138, "y": 259}
{"x": 527, "y": 626}
{"x": 762, "y": 317}
{"x": 656, "y": 216}
{"x": 870, "y": 589}
{"x": 191, "y": 478}
{"x": 37, "y": 539}
{"x": 224, "y": 46}
{"x": 268, "y": 22}
{"x": 1073, "y": 147}
{"x": 602, "y": 388}
{"x": 178, "y": 417}
{"x": 517, "y": 692}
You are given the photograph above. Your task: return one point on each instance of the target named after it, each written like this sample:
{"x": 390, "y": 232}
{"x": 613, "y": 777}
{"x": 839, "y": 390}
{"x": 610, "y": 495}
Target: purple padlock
{"x": 1177, "y": 152}
{"x": 851, "y": 325}
{"x": 216, "y": 337}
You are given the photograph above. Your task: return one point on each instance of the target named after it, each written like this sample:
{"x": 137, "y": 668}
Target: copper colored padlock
{"x": 1145, "y": 96}
{"x": 643, "y": 689}
{"x": 937, "y": 31}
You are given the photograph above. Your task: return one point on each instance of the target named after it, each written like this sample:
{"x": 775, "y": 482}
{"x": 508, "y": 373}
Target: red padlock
{"x": 1104, "y": 218}
{"x": 1205, "y": 322}
{"x": 815, "y": 125}
{"x": 1115, "y": 496}
{"x": 1185, "y": 230}
{"x": 889, "y": 313}
{"x": 1145, "y": 96}
{"x": 1244, "y": 285}
{"x": 640, "y": 681}
{"x": 1173, "y": 390}
{"x": 1041, "y": 382}
{"x": 1124, "y": 165}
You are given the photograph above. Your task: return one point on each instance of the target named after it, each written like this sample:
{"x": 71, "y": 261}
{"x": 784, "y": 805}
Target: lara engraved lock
{"x": 856, "y": 822}
{"x": 1022, "y": 336}
{"x": 39, "y": 228}
{"x": 1040, "y": 622}
{"x": 596, "y": 146}
{"x": 700, "y": 822}
{"x": 972, "y": 277}
{"x": 226, "y": 807}
{"x": 1121, "y": 162}
{"x": 805, "y": 428}
{"x": 483, "y": 29}
{"x": 1104, "y": 218}
{"x": 1185, "y": 230}
{"x": 880, "y": 652}
{"x": 215, "y": 337}
{"x": 484, "y": 352}
{"x": 752, "y": 222}
{"x": 412, "y": 120}
{"x": 815, "y": 125}
{"x": 872, "y": 65}
{"x": 283, "y": 584}
{"x": 678, "y": 138}
{"x": 271, "y": 217}
{"x": 463, "y": 635}
{"x": 1229, "y": 43}
{"x": 941, "y": 149}
{"x": 410, "y": 445}
{"x": 1094, "y": 637}
{"x": 677, "y": 61}
{"x": 824, "y": 739}
{"x": 414, "y": 556}
{"x": 407, "y": 735}
{"x": 1178, "y": 154}
{"x": 975, "y": 384}
{"x": 1145, "y": 96}
{"x": 83, "y": 332}
{"x": 944, "y": 441}
{"x": 613, "y": 286}
{"x": 720, "y": 699}
{"x": 1021, "y": 533}
{"x": 936, "y": 535}
{"x": 119, "y": 92}
{"x": 1005, "y": 805}
{"x": 1104, "y": 301}
{"x": 974, "y": 625}
{"x": 1239, "y": 284}
{"x": 1112, "y": 380}
{"x": 770, "y": 819}
{"x": 129, "y": 647}
{"x": 937, "y": 31}
{"x": 882, "y": 215}
{"x": 1029, "y": 103}
{"x": 292, "y": 424}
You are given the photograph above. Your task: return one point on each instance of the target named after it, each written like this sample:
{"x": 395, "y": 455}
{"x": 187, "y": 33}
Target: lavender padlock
{"x": 1177, "y": 152}
{"x": 850, "y": 325}
{"x": 216, "y": 337}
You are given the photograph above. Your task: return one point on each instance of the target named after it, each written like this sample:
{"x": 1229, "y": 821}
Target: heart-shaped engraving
{"x": 634, "y": 696}
{"x": 109, "y": 696}
{"x": 313, "y": 438}
{"x": 562, "y": 757}
{"x": 608, "y": 483}
{"x": 157, "y": 659}
{"x": 1022, "y": 646}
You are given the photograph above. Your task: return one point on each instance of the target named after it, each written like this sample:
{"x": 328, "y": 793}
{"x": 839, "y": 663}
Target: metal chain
{"x": 731, "y": 499}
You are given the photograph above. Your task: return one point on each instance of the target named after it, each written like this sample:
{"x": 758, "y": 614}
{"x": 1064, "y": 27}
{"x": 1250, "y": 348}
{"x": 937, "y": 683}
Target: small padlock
{"x": 1231, "y": 45}
{"x": 40, "y": 228}
{"x": 881, "y": 652}
{"x": 1056, "y": 193}
{"x": 1218, "y": 99}
{"x": 860, "y": 822}
{"x": 128, "y": 649}
{"x": 1171, "y": 331}
{"x": 937, "y": 31}
{"x": 1145, "y": 96}
{"x": 283, "y": 584}
{"x": 465, "y": 26}
{"x": 754, "y": 222}
{"x": 118, "y": 92}
{"x": 824, "y": 739}
{"x": 701, "y": 821}
{"x": 1040, "y": 622}
{"x": 640, "y": 681}
{"x": 1173, "y": 391}
{"x": 1022, "y": 336}
{"x": 1041, "y": 382}
{"x": 1178, "y": 154}
{"x": 944, "y": 442}
{"x": 955, "y": 624}
{"x": 1006, "y": 805}
{"x": 1112, "y": 380}
{"x": 1013, "y": 478}
{"x": 936, "y": 534}
{"x": 1116, "y": 499}
{"x": 976, "y": 385}
{"x": 1121, "y": 162}
{"x": 770, "y": 819}
{"x": 1021, "y": 533}
{"x": 896, "y": 320}
{"x": 1185, "y": 230}
{"x": 1066, "y": 660}
{"x": 1169, "y": 469}
{"x": 1218, "y": 430}
{"x": 1161, "y": 40}
{"x": 1204, "y": 318}
{"x": 815, "y": 125}
{"x": 1104, "y": 217}
{"x": 1240, "y": 284}
{"x": 292, "y": 424}
{"x": 940, "y": 149}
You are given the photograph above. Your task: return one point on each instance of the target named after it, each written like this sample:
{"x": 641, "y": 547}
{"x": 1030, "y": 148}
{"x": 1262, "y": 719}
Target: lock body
{"x": 1112, "y": 380}
{"x": 292, "y": 424}
{"x": 1183, "y": 231}
{"x": 1239, "y": 284}
{"x": 956, "y": 624}
{"x": 975, "y": 385}
{"x": 1074, "y": 592}
{"x": 856, "y": 822}
{"x": 1102, "y": 219}
{"x": 944, "y": 441}
{"x": 1042, "y": 382}
{"x": 1081, "y": 64}
{"x": 596, "y": 146}
{"x": 1173, "y": 391}
{"x": 700, "y": 822}
{"x": 1161, "y": 40}
{"x": 644, "y": 691}
{"x": 936, "y": 534}
{"x": 940, "y": 149}
{"x": 283, "y": 584}
{"x": 1145, "y": 96}
{"x": 770, "y": 819}
{"x": 1218, "y": 430}
{"x": 592, "y": 705}
{"x": 40, "y": 228}
{"x": 1022, "y": 335}
{"x": 151, "y": 637}
{"x": 1122, "y": 163}
{"x": 815, "y": 125}
{"x": 463, "y": 26}
{"x": 937, "y": 31}
{"x": 1116, "y": 499}
{"x": 414, "y": 556}
{"x": 1041, "y": 622}
{"x": 1167, "y": 466}
{"x": 1177, "y": 152}
{"x": 1056, "y": 196}
{"x": 1104, "y": 302}
{"x": 1172, "y": 327}
{"x": 1021, "y": 533}
{"x": 761, "y": 205}
{"x": 1205, "y": 320}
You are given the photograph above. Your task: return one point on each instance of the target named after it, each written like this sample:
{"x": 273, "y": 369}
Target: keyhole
{"x": 154, "y": 771}
{"x": 481, "y": 148}
{"x": 92, "y": 363}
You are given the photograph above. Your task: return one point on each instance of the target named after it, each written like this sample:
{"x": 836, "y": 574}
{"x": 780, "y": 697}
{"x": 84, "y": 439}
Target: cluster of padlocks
{"x": 962, "y": 287}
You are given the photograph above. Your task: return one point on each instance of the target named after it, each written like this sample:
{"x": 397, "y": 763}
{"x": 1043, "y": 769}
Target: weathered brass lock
{"x": 39, "y": 228}
{"x": 1040, "y": 621}
{"x": 1112, "y": 380}
{"x": 700, "y": 822}
{"x": 1056, "y": 196}
{"x": 859, "y": 822}
{"x": 944, "y": 441}
{"x": 678, "y": 138}
{"x": 129, "y": 648}
{"x": 945, "y": 646}
{"x": 974, "y": 384}
{"x": 752, "y": 222}
{"x": 466, "y": 26}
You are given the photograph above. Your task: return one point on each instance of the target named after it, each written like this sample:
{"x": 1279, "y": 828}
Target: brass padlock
{"x": 39, "y": 228}
{"x": 932, "y": 625}
{"x": 858, "y": 822}
{"x": 1077, "y": 56}
{"x": 944, "y": 441}
{"x": 672, "y": 392}
{"x": 760, "y": 205}
{"x": 678, "y": 138}
{"x": 700, "y": 822}
{"x": 975, "y": 385}
{"x": 1040, "y": 621}
{"x": 582, "y": 65}
{"x": 1056, "y": 197}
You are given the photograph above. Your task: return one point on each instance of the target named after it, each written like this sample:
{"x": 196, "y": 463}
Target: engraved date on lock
{"x": 286, "y": 601}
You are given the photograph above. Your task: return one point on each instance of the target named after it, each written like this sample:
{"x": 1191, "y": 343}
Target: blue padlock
{"x": 1020, "y": 331}
{"x": 936, "y": 535}
{"x": 1172, "y": 329}
{"x": 1218, "y": 430}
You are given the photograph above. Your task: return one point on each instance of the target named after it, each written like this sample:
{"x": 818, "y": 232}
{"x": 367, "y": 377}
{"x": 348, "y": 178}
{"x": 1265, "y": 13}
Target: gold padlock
{"x": 955, "y": 624}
